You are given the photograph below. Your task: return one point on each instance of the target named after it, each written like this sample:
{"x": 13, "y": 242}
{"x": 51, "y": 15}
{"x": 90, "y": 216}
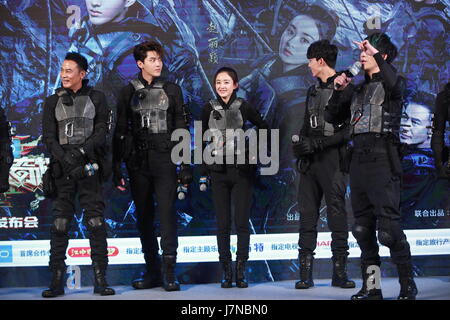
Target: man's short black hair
{"x": 140, "y": 51}
{"x": 382, "y": 42}
{"x": 79, "y": 59}
{"x": 325, "y": 50}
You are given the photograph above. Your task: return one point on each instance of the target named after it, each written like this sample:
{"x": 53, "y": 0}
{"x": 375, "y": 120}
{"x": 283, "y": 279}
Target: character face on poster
{"x": 104, "y": 11}
{"x": 416, "y": 125}
{"x": 295, "y": 40}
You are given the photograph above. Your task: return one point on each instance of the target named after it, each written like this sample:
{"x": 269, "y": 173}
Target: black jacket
{"x": 96, "y": 145}
{"x": 249, "y": 114}
{"x": 338, "y": 107}
{"x": 126, "y": 135}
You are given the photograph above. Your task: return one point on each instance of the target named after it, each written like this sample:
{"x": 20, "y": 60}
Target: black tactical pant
{"x": 226, "y": 186}
{"x": 89, "y": 191}
{"x": 375, "y": 196}
{"x": 323, "y": 178}
{"x": 156, "y": 177}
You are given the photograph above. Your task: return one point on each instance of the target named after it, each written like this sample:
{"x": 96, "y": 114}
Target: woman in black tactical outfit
{"x": 232, "y": 184}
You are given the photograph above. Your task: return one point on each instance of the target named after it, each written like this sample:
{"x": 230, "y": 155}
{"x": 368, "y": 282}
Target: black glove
{"x": 186, "y": 176}
{"x": 304, "y": 147}
{"x": 123, "y": 147}
{"x": 78, "y": 173}
{"x": 72, "y": 159}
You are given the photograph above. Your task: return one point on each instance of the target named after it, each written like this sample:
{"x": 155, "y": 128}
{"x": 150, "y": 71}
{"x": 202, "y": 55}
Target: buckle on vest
{"x": 145, "y": 121}
{"x": 356, "y": 117}
{"x": 313, "y": 121}
{"x": 68, "y": 130}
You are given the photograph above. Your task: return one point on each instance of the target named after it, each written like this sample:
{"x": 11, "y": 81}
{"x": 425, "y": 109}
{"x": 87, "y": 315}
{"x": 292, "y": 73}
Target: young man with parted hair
{"x": 319, "y": 150}
{"x": 148, "y": 111}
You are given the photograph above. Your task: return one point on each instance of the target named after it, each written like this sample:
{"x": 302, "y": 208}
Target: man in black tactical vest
{"x": 74, "y": 132}
{"x": 148, "y": 111}
{"x": 375, "y": 170}
{"x": 319, "y": 150}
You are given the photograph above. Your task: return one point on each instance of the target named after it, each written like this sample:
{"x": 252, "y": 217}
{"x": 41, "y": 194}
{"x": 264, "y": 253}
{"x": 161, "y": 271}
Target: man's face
{"x": 104, "y": 11}
{"x": 315, "y": 67}
{"x": 416, "y": 123}
{"x": 152, "y": 65}
{"x": 368, "y": 62}
{"x": 71, "y": 75}
{"x": 295, "y": 40}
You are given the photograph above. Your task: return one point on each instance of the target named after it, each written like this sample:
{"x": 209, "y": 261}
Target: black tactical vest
{"x": 75, "y": 117}
{"x": 368, "y": 115}
{"x": 220, "y": 120}
{"x": 317, "y": 102}
{"x": 149, "y": 107}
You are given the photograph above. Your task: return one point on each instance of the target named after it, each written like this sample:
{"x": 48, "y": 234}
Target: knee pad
{"x": 386, "y": 238}
{"x": 389, "y": 232}
{"x": 95, "y": 223}
{"x": 361, "y": 233}
{"x": 60, "y": 226}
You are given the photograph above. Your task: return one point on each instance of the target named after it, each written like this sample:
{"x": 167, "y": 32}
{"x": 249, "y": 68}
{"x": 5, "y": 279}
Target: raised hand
{"x": 366, "y": 47}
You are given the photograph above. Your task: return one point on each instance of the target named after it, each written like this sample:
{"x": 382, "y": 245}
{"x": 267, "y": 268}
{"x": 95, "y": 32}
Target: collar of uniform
{"x": 375, "y": 77}
{"x": 83, "y": 90}
{"x": 327, "y": 83}
{"x": 145, "y": 82}
{"x": 227, "y": 105}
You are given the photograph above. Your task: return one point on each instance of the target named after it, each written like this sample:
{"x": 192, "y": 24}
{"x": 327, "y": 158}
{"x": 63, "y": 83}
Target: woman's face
{"x": 295, "y": 40}
{"x": 416, "y": 126}
{"x": 104, "y": 11}
{"x": 225, "y": 85}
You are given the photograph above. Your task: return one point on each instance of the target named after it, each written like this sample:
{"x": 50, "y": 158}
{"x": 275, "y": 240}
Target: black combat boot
{"x": 227, "y": 281}
{"x": 408, "y": 289}
{"x": 152, "y": 278}
{"x": 365, "y": 293}
{"x": 170, "y": 281}
{"x": 241, "y": 282}
{"x": 306, "y": 267}
{"x": 56, "y": 287}
{"x": 340, "y": 278}
{"x": 100, "y": 284}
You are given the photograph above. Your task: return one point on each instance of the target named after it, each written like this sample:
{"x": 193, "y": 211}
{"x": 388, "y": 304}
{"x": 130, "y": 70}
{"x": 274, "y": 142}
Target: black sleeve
{"x": 6, "y": 155}
{"x": 338, "y": 109}
{"x": 206, "y": 111}
{"x": 4, "y": 128}
{"x": 439, "y": 120}
{"x": 306, "y": 124}
{"x": 97, "y": 140}
{"x": 179, "y": 116}
{"x": 121, "y": 110}
{"x": 387, "y": 71}
{"x": 121, "y": 132}
{"x": 50, "y": 129}
{"x": 254, "y": 117}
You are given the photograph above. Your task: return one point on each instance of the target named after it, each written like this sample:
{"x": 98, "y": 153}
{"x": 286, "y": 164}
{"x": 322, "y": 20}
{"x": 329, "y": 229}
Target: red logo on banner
{"x": 324, "y": 243}
{"x": 85, "y": 252}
